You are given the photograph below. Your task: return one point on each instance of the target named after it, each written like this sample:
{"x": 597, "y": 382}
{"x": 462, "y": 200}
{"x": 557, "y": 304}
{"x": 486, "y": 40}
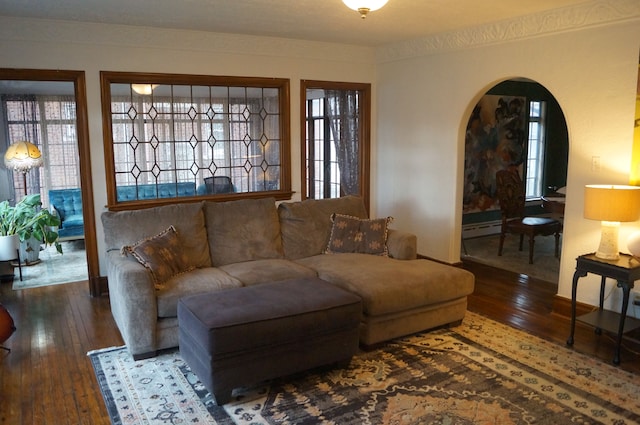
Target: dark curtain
{"x": 342, "y": 108}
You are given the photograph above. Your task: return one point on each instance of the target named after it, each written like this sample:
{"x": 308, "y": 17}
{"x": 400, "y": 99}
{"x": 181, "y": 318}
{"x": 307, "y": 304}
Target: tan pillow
{"x": 162, "y": 255}
{"x": 353, "y": 234}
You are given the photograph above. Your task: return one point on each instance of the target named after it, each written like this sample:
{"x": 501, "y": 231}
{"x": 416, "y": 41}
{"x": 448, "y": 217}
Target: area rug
{"x": 55, "y": 268}
{"x": 485, "y": 250}
{"x": 480, "y": 372}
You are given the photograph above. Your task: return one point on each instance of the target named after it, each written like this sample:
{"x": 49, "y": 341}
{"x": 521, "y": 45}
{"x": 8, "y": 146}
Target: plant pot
{"x": 8, "y": 247}
{"x": 30, "y": 251}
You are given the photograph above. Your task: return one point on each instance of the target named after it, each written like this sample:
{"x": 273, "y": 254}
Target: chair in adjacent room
{"x": 511, "y": 195}
{"x": 219, "y": 184}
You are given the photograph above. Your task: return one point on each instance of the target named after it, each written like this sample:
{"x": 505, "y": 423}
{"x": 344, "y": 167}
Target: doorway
{"x": 26, "y": 93}
{"x": 516, "y": 125}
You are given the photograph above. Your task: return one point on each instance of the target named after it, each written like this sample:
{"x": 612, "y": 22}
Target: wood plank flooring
{"x": 47, "y": 377}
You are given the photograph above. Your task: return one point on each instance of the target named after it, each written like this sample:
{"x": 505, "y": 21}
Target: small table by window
{"x": 625, "y": 270}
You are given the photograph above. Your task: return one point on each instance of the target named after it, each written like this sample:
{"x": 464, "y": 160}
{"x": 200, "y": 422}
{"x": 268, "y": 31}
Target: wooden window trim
{"x": 365, "y": 130}
{"x": 108, "y": 77}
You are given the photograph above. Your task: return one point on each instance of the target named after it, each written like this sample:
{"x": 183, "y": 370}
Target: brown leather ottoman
{"x": 243, "y": 336}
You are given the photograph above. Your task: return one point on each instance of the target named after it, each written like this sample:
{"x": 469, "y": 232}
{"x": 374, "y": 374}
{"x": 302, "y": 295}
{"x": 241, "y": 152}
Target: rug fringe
{"x": 105, "y": 350}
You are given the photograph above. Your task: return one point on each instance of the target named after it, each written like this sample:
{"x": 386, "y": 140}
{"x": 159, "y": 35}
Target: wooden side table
{"x": 625, "y": 270}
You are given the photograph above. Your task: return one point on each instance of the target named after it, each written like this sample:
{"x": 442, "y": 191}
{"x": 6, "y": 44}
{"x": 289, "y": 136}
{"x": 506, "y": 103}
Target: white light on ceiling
{"x": 365, "y": 6}
{"x": 145, "y": 89}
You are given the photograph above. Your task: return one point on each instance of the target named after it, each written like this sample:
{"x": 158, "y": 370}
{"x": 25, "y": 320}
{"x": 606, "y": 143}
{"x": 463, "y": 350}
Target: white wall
{"x": 93, "y": 48}
{"x": 424, "y": 103}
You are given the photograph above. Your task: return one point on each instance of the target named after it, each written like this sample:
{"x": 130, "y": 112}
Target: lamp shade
{"x": 22, "y": 156}
{"x": 364, "y": 6}
{"x": 612, "y": 202}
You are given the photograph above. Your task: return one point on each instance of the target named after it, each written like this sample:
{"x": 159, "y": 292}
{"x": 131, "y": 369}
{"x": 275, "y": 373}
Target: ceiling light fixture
{"x": 365, "y": 6}
{"x": 144, "y": 89}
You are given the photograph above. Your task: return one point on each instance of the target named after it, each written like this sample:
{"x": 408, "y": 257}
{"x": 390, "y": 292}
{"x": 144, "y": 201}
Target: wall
{"x": 92, "y": 48}
{"x": 426, "y": 94}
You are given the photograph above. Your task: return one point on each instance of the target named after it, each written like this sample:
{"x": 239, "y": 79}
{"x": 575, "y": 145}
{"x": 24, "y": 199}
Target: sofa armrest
{"x": 133, "y": 302}
{"x": 402, "y": 245}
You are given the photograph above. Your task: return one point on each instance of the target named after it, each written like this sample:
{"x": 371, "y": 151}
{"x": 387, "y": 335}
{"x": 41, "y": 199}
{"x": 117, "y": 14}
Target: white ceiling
{"x": 318, "y": 20}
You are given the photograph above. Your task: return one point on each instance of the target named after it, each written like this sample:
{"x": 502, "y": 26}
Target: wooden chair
{"x": 510, "y": 190}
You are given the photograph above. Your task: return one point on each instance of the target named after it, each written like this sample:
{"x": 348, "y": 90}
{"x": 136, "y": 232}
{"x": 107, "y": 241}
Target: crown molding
{"x": 586, "y": 15}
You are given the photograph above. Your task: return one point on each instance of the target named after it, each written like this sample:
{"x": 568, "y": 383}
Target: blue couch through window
{"x": 67, "y": 203}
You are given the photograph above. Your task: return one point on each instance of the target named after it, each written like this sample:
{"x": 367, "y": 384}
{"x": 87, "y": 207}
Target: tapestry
{"x": 495, "y": 140}
{"x": 481, "y": 372}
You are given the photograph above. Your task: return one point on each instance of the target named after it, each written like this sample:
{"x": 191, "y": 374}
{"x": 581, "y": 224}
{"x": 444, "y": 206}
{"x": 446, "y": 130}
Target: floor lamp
{"x": 21, "y": 157}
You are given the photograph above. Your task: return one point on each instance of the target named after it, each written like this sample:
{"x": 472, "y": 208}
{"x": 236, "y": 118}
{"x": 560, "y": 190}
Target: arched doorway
{"x": 517, "y": 123}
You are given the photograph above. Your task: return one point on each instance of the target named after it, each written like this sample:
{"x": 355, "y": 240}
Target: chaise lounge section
{"x": 242, "y": 243}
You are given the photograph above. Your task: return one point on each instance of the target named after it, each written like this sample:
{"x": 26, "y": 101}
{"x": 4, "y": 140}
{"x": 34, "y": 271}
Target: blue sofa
{"x": 148, "y": 191}
{"x": 67, "y": 203}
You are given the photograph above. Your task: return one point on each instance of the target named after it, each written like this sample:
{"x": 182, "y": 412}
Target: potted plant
{"x": 27, "y": 220}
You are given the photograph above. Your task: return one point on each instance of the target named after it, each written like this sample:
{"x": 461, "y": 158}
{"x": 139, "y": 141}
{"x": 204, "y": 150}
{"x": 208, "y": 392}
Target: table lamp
{"x": 611, "y": 204}
{"x": 22, "y": 156}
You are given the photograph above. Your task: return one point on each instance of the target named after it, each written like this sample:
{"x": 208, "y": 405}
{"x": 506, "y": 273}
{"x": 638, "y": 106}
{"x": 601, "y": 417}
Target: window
{"x": 335, "y": 135}
{"x": 535, "y": 150}
{"x": 171, "y": 136}
{"x": 49, "y": 122}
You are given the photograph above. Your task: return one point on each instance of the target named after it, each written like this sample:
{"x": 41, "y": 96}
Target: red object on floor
{"x": 7, "y": 327}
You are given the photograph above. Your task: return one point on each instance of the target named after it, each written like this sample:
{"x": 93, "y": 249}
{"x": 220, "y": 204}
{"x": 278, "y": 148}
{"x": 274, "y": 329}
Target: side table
{"x": 625, "y": 270}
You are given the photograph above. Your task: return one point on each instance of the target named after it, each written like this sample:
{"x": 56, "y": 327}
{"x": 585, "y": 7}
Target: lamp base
{"x": 608, "y": 249}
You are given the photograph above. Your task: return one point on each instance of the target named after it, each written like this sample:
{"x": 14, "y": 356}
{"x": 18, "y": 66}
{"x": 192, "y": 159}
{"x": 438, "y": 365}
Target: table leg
{"x": 574, "y": 287}
{"x": 626, "y": 289}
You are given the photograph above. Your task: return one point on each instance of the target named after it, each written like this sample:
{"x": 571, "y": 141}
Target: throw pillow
{"x": 352, "y": 234}
{"x": 162, "y": 255}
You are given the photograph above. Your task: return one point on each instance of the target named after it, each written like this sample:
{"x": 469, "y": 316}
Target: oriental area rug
{"x": 480, "y": 372}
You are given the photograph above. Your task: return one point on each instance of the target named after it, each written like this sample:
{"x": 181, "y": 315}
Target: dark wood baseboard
{"x": 562, "y": 307}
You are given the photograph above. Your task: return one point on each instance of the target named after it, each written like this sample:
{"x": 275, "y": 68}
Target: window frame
{"x": 107, "y": 78}
{"x": 534, "y": 168}
{"x": 364, "y": 148}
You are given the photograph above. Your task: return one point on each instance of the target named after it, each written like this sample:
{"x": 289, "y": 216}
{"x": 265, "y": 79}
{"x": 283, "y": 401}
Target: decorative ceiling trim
{"x": 595, "y": 13}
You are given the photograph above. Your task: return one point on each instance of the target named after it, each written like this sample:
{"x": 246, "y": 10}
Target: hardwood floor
{"x": 47, "y": 377}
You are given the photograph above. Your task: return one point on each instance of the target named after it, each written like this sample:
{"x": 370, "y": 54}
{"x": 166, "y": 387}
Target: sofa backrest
{"x": 153, "y": 191}
{"x": 243, "y": 230}
{"x": 306, "y": 225}
{"x": 67, "y": 202}
{"x": 123, "y": 228}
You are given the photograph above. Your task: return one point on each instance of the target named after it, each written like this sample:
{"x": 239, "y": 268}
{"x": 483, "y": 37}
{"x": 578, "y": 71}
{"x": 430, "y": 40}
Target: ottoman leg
{"x": 221, "y": 397}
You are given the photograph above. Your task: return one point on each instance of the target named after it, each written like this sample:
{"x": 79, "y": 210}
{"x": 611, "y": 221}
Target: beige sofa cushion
{"x": 306, "y": 225}
{"x": 123, "y": 228}
{"x": 261, "y": 271}
{"x": 243, "y": 230}
{"x": 387, "y": 285}
{"x": 196, "y": 281}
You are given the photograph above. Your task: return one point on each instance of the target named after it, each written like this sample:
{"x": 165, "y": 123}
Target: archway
{"x": 519, "y": 124}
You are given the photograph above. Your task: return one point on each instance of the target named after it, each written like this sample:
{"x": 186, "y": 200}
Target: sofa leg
{"x": 146, "y": 355}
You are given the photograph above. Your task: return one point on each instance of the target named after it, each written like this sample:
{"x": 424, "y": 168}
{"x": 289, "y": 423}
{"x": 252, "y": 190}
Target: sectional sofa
{"x": 212, "y": 246}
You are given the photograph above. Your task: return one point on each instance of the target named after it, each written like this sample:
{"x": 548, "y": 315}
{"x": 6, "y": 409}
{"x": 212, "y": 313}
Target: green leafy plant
{"x": 28, "y": 219}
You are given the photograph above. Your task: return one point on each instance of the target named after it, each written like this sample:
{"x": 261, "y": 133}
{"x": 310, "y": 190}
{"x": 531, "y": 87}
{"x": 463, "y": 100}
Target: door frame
{"x": 86, "y": 183}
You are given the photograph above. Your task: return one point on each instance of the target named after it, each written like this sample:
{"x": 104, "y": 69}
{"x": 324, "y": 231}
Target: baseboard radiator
{"x": 486, "y": 228}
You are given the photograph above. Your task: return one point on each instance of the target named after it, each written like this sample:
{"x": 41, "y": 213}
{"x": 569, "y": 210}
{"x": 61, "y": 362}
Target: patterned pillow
{"x": 352, "y": 234}
{"x": 162, "y": 255}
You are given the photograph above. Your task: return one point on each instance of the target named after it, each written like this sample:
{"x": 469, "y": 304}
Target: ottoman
{"x": 243, "y": 336}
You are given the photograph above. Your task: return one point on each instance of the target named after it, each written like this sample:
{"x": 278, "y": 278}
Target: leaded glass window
{"x": 202, "y": 136}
